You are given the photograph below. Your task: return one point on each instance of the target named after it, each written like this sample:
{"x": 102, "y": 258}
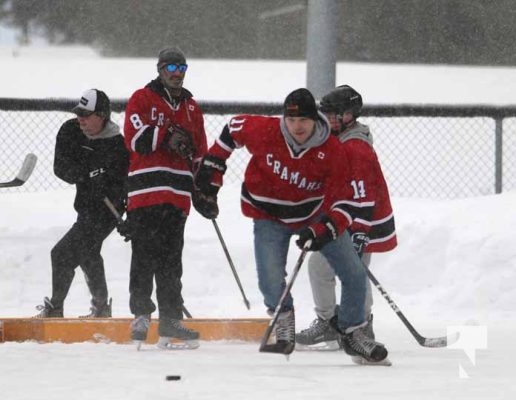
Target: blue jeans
{"x": 271, "y": 244}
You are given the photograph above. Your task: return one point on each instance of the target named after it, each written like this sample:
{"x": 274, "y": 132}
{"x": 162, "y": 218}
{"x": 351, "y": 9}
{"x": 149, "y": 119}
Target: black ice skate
{"x": 285, "y": 331}
{"x": 139, "y": 329}
{"x": 103, "y": 311}
{"x": 47, "y": 310}
{"x": 173, "y": 335}
{"x": 364, "y": 350}
{"x": 320, "y": 336}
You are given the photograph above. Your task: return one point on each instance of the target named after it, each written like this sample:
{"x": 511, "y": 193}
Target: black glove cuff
{"x": 331, "y": 227}
{"x": 212, "y": 162}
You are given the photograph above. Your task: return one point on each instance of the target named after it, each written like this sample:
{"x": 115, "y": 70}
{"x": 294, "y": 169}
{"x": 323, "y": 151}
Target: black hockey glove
{"x": 320, "y": 234}
{"x": 360, "y": 241}
{"x": 125, "y": 230}
{"x": 181, "y": 142}
{"x": 208, "y": 166}
{"x": 206, "y": 205}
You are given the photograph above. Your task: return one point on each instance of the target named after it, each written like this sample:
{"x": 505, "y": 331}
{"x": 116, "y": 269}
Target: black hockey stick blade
{"x": 278, "y": 348}
{"x": 26, "y": 170}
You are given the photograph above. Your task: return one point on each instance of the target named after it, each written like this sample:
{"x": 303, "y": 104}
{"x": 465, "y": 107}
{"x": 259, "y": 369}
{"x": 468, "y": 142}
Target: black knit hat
{"x": 300, "y": 103}
{"x": 170, "y": 55}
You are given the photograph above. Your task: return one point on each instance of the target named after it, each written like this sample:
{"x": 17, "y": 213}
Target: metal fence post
{"x": 498, "y": 155}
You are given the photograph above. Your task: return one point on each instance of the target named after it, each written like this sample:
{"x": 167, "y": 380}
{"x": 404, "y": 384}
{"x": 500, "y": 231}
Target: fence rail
{"x": 425, "y": 150}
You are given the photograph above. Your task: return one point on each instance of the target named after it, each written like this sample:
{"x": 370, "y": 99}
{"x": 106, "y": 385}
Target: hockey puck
{"x": 173, "y": 377}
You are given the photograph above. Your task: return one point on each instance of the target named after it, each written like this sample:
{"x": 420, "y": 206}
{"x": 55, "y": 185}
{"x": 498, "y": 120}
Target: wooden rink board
{"x": 118, "y": 330}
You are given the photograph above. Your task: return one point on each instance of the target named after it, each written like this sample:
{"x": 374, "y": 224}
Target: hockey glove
{"x": 180, "y": 141}
{"x": 360, "y": 241}
{"x": 125, "y": 230}
{"x": 208, "y": 167}
{"x": 205, "y": 205}
{"x": 320, "y": 234}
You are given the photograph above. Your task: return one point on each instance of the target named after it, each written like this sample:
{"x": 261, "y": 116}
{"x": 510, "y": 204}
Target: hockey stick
{"x": 423, "y": 341}
{"x": 189, "y": 160}
{"x": 113, "y": 210}
{"x": 282, "y": 347}
{"x": 26, "y": 170}
{"x": 237, "y": 279}
{"x": 119, "y": 220}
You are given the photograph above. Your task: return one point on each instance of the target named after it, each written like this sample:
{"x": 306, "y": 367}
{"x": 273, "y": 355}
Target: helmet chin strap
{"x": 345, "y": 126}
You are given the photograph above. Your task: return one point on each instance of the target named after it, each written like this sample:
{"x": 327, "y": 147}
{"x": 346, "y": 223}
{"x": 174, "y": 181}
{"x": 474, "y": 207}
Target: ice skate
{"x": 139, "y": 329}
{"x": 363, "y": 349}
{"x": 320, "y": 336}
{"x": 103, "y": 311}
{"x": 285, "y": 331}
{"x": 175, "y": 336}
{"x": 47, "y": 310}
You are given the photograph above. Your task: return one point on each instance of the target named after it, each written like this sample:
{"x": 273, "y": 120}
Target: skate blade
{"x": 362, "y": 361}
{"x": 138, "y": 344}
{"x": 332, "y": 345}
{"x": 168, "y": 344}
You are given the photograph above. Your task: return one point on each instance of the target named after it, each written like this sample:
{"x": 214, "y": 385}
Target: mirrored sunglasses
{"x": 174, "y": 67}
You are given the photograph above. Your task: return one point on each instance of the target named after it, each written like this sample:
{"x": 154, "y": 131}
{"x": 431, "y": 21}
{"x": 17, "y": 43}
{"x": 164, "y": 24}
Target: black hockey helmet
{"x": 342, "y": 99}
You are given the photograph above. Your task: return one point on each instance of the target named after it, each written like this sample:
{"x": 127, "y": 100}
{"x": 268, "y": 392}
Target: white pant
{"x": 322, "y": 281}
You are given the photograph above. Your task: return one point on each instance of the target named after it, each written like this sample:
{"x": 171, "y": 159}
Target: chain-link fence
{"x": 425, "y": 151}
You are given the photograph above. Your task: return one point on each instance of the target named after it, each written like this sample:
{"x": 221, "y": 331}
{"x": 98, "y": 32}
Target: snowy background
{"x": 455, "y": 264}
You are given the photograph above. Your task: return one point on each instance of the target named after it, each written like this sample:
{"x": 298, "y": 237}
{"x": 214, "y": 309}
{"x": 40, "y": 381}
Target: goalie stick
{"x": 423, "y": 341}
{"x": 119, "y": 220}
{"x": 25, "y": 171}
{"x": 282, "y": 347}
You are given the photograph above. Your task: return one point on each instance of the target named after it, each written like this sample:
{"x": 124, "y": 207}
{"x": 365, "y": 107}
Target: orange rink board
{"x": 118, "y": 330}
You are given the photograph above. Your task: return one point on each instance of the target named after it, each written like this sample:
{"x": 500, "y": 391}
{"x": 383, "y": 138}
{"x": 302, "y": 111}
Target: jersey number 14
{"x": 358, "y": 189}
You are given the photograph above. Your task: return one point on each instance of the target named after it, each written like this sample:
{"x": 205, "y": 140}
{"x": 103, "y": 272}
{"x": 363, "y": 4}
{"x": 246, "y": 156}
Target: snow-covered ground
{"x": 455, "y": 264}
{"x": 36, "y": 72}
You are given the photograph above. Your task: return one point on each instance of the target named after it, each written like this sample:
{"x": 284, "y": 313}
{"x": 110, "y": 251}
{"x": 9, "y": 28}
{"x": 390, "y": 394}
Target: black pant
{"x": 157, "y": 250}
{"x": 81, "y": 246}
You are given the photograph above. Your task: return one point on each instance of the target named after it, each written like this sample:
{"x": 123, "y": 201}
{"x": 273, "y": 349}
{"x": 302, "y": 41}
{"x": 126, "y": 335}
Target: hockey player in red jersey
{"x": 342, "y": 107}
{"x": 297, "y": 183}
{"x": 164, "y": 132}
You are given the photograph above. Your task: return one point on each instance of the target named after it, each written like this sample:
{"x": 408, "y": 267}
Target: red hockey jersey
{"x": 287, "y": 187}
{"x": 368, "y": 182}
{"x": 158, "y": 175}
